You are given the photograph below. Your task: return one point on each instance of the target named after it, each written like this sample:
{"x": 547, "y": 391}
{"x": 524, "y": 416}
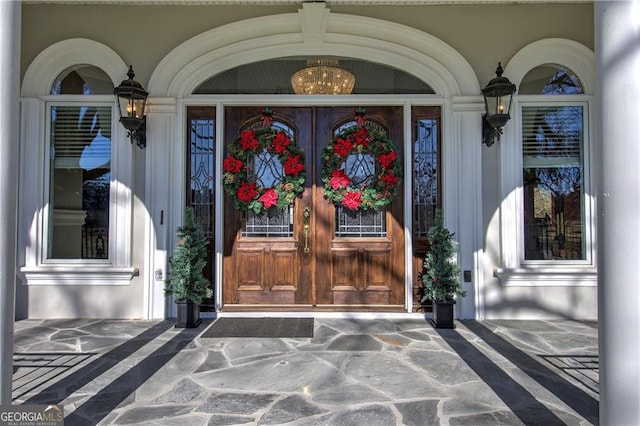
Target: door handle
{"x": 306, "y": 227}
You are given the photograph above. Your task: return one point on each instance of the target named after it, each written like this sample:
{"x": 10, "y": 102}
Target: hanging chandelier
{"x": 322, "y": 77}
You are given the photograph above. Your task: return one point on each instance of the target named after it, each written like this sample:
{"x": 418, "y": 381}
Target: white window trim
{"x": 547, "y": 272}
{"x": 514, "y": 270}
{"x": 34, "y": 268}
{"x": 589, "y": 201}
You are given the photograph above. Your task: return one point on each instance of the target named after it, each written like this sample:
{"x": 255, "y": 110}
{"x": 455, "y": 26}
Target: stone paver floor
{"x": 352, "y": 372}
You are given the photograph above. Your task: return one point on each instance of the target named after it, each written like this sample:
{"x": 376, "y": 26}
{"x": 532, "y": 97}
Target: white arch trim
{"x": 314, "y": 30}
{"x": 56, "y": 58}
{"x": 568, "y": 53}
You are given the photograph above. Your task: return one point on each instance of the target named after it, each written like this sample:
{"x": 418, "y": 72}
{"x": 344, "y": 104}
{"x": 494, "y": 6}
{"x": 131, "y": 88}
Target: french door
{"x": 314, "y": 255}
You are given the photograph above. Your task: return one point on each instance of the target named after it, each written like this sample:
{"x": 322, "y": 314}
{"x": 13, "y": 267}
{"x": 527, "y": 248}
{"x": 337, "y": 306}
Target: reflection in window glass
{"x": 425, "y": 176}
{"x": 202, "y": 180}
{"x": 83, "y": 80}
{"x": 273, "y": 76}
{"x": 267, "y": 170}
{"x": 550, "y": 80}
{"x": 361, "y": 169}
{"x": 553, "y": 182}
{"x": 79, "y": 182}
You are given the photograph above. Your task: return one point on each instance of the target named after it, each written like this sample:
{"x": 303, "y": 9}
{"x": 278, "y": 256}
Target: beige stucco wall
{"x": 483, "y": 34}
{"x": 143, "y": 35}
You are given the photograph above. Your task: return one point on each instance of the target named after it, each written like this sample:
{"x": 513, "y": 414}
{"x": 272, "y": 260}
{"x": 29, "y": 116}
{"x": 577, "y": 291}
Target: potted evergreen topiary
{"x": 187, "y": 283}
{"x": 441, "y": 274}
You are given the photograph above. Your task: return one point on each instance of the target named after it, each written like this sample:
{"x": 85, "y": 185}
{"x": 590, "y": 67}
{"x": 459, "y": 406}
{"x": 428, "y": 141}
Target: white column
{"x": 618, "y": 109}
{"x": 10, "y": 18}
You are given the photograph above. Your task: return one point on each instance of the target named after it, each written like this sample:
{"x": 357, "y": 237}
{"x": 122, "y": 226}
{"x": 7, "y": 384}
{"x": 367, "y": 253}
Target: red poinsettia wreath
{"x": 379, "y": 189}
{"x": 275, "y": 143}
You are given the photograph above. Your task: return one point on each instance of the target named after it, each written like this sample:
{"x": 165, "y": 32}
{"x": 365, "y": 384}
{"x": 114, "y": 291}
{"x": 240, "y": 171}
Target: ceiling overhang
{"x": 290, "y": 2}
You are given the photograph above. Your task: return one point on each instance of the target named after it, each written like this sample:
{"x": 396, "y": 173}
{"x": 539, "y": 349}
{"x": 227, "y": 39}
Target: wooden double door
{"x": 314, "y": 255}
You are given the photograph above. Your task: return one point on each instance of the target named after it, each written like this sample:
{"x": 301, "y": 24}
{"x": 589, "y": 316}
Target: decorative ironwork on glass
{"x": 269, "y": 223}
{"x": 370, "y": 125}
{"x": 260, "y": 156}
{"x": 202, "y": 184}
{"x": 425, "y": 176}
{"x": 350, "y": 223}
{"x": 361, "y": 169}
{"x": 267, "y": 170}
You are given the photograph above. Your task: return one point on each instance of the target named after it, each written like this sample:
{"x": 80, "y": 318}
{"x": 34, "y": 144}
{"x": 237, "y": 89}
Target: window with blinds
{"x": 553, "y": 182}
{"x": 79, "y": 182}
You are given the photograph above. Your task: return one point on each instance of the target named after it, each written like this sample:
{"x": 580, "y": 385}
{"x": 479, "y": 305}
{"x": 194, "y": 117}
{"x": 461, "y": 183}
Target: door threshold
{"x": 316, "y": 314}
{"x": 311, "y": 308}
{"x": 310, "y": 311}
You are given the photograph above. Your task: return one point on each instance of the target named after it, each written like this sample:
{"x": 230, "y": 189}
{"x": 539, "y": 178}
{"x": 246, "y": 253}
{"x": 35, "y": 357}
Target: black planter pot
{"x": 443, "y": 314}
{"x": 188, "y": 314}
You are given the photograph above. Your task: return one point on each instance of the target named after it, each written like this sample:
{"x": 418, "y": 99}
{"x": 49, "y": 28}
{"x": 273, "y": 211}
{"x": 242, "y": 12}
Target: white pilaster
{"x": 467, "y": 113}
{"x": 10, "y": 18}
{"x": 618, "y": 151}
{"x": 163, "y": 157}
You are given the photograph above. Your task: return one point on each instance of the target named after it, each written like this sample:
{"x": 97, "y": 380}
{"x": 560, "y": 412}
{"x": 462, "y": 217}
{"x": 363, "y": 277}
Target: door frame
{"x": 246, "y": 248}
{"x": 220, "y": 102}
{"x": 461, "y": 164}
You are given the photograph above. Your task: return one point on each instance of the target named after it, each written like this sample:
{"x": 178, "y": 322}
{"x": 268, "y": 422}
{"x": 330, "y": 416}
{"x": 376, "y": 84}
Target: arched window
{"x": 547, "y": 214}
{"x": 554, "y": 137}
{"x": 79, "y": 140}
{"x": 76, "y": 191}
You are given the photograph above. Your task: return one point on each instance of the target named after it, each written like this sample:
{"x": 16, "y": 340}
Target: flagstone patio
{"x": 397, "y": 371}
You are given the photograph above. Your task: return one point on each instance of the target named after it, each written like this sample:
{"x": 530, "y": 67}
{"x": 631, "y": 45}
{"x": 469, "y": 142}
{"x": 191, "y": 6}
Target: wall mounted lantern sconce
{"x": 131, "y": 99}
{"x": 497, "y": 101}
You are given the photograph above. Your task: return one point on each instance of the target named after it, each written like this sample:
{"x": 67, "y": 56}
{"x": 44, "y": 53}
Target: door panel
{"x": 363, "y": 271}
{"x": 353, "y": 272}
{"x": 258, "y": 269}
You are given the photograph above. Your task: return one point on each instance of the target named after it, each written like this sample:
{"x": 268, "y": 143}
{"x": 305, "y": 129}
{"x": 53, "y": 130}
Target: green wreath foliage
{"x": 244, "y": 190}
{"x": 339, "y": 188}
